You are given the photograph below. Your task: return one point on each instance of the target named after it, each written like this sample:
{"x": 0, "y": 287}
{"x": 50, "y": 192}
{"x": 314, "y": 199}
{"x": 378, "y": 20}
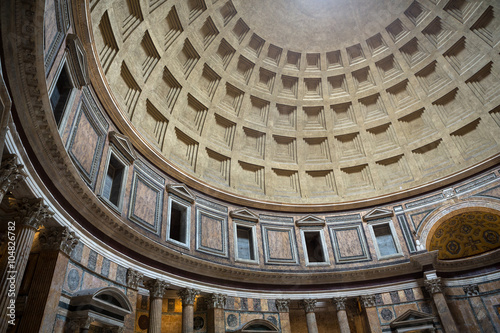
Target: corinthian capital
{"x": 471, "y": 290}
{"x": 32, "y": 212}
{"x": 368, "y": 301}
{"x": 283, "y": 305}
{"x": 434, "y": 286}
{"x": 216, "y": 301}
{"x": 58, "y": 239}
{"x": 340, "y": 302}
{"x": 134, "y": 278}
{"x": 11, "y": 174}
{"x": 156, "y": 288}
{"x": 308, "y": 305}
{"x": 188, "y": 295}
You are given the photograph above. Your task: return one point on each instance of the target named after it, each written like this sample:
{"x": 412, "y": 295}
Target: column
{"x": 156, "y": 292}
{"x": 134, "y": 279}
{"x": 215, "y": 316}
{"x": 43, "y": 298}
{"x": 340, "y": 302}
{"x": 188, "y": 296}
{"x": 283, "y": 307}
{"x": 11, "y": 174}
{"x": 369, "y": 304}
{"x": 309, "y": 305}
{"x": 435, "y": 288}
{"x": 472, "y": 292}
{"x": 31, "y": 213}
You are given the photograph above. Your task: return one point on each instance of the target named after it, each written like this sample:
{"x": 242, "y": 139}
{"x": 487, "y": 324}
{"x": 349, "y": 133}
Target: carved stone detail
{"x": 58, "y": 239}
{"x": 216, "y": 301}
{"x": 156, "y": 288}
{"x": 11, "y": 174}
{"x": 283, "y": 305}
{"x": 340, "y": 302}
{"x": 81, "y": 323}
{"x": 115, "y": 329}
{"x": 32, "y": 212}
{"x": 308, "y": 305}
{"x": 188, "y": 295}
{"x": 434, "y": 286}
{"x": 134, "y": 279}
{"x": 471, "y": 290}
{"x": 368, "y": 301}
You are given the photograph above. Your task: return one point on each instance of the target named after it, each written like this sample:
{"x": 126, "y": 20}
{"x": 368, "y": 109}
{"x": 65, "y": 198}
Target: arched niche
{"x": 104, "y": 307}
{"x": 258, "y": 326}
{"x": 464, "y": 229}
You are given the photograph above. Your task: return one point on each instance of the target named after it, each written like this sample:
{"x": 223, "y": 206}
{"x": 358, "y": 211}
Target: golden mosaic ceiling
{"x": 277, "y": 101}
{"x": 466, "y": 234}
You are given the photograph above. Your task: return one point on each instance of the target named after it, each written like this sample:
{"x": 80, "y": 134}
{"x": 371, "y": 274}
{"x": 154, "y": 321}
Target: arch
{"x": 258, "y": 325}
{"x": 444, "y": 220}
{"x": 434, "y": 219}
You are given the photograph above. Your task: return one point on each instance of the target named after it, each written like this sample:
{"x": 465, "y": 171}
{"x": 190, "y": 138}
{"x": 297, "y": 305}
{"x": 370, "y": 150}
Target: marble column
{"x": 31, "y": 213}
{"x": 308, "y": 305}
{"x": 156, "y": 291}
{"x": 369, "y": 304}
{"x": 340, "y": 303}
{"x": 134, "y": 279}
{"x": 188, "y": 297}
{"x": 435, "y": 288}
{"x": 481, "y": 313}
{"x": 56, "y": 244}
{"x": 11, "y": 174}
{"x": 215, "y": 316}
{"x": 283, "y": 307}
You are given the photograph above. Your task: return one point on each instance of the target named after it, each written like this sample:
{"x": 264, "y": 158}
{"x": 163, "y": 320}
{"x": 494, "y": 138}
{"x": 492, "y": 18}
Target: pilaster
{"x": 369, "y": 304}
{"x": 134, "y": 279}
{"x": 434, "y": 286}
{"x": 215, "y": 316}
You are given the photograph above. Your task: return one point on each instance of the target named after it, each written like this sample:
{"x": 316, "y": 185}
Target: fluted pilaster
{"x": 11, "y": 174}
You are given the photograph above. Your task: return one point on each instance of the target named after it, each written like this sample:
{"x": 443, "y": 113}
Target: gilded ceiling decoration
{"x": 466, "y": 234}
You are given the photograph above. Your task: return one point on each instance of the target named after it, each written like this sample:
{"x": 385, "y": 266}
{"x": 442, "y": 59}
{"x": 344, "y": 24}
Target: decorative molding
{"x": 188, "y": 296}
{"x": 134, "y": 279}
{"x": 181, "y": 191}
{"x": 32, "y": 212}
{"x": 123, "y": 144}
{"x": 283, "y": 305}
{"x": 358, "y": 228}
{"x": 310, "y": 220}
{"x": 377, "y": 213}
{"x": 78, "y": 59}
{"x": 308, "y": 305}
{"x": 11, "y": 174}
{"x": 340, "y": 302}
{"x": 434, "y": 286}
{"x": 244, "y": 214}
{"x": 216, "y": 301}
{"x": 268, "y": 256}
{"x": 219, "y": 248}
{"x": 471, "y": 290}
{"x": 368, "y": 301}
{"x": 156, "y": 288}
{"x": 58, "y": 239}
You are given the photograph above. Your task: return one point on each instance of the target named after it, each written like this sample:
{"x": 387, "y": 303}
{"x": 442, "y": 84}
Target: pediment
{"x": 181, "y": 191}
{"x": 310, "y": 220}
{"x": 78, "y": 57}
{"x": 412, "y": 318}
{"x": 244, "y": 214}
{"x": 377, "y": 213}
{"x": 123, "y": 144}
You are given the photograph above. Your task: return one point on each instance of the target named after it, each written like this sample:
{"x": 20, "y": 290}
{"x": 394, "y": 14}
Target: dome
{"x": 301, "y": 104}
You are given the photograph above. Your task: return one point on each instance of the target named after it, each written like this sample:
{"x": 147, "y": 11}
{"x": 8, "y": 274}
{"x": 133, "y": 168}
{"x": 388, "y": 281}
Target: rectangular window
{"x": 60, "y": 95}
{"x": 385, "y": 240}
{"x": 113, "y": 182}
{"x": 178, "y": 222}
{"x": 244, "y": 237}
{"x": 314, "y": 246}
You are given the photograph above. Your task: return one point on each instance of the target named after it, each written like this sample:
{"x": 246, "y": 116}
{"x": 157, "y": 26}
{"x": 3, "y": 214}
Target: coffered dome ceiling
{"x": 306, "y": 102}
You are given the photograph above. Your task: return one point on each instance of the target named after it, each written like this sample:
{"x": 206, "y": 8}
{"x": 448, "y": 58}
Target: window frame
{"x": 390, "y": 223}
{"x": 326, "y": 255}
{"x": 63, "y": 65}
{"x": 117, "y": 155}
{"x": 187, "y": 205}
{"x": 253, "y": 232}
